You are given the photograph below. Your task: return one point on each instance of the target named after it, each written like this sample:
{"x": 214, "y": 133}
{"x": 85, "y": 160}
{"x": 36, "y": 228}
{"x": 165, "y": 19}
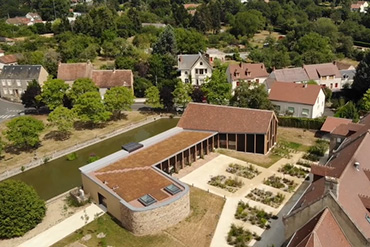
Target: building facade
{"x": 15, "y": 78}
{"x": 194, "y": 68}
{"x": 326, "y": 75}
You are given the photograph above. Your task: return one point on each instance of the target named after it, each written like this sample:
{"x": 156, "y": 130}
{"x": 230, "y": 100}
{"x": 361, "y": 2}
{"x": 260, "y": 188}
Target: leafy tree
{"x": 327, "y": 28}
{"x": 90, "y": 109}
{"x": 2, "y": 145}
{"x": 315, "y": 48}
{"x": 348, "y": 111}
{"x": 29, "y": 97}
{"x": 366, "y": 101}
{"x": 251, "y": 96}
{"x": 181, "y": 94}
{"x": 118, "y": 99}
{"x": 166, "y": 42}
{"x": 361, "y": 81}
{"x": 217, "y": 89}
{"x": 181, "y": 16}
{"x": 81, "y": 86}
{"x": 190, "y": 41}
{"x": 53, "y": 93}
{"x": 23, "y": 132}
{"x": 153, "y": 98}
{"x": 167, "y": 97}
{"x": 51, "y": 9}
{"x": 125, "y": 62}
{"x": 21, "y": 208}
{"x": 247, "y": 23}
{"x": 133, "y": 15}
{"x": 140, "y": 86}
{"x": 197, "y": 95}
{"x": 63, "y": 118}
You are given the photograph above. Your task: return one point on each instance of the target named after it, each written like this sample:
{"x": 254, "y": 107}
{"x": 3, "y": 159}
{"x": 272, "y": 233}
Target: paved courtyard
{"x": 217, "y": 165}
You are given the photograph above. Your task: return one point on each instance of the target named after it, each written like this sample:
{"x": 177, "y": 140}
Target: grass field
{"x": 48, "y": 146}
{"x": 259, "y": 38}
{"x": 196, "y": 230}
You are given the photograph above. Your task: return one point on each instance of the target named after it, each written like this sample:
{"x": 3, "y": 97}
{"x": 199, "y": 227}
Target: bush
{"x": 21, "y": 209}
{"x": 304, "y": 123}
{"x": 72, "y": 156}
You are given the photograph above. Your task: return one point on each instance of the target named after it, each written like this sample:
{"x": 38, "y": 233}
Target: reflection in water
{"x": 60, "y": 175}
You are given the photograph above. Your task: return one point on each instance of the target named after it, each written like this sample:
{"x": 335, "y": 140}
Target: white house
{"x": 248, "y": 72}
{"x": 325, "y": 74}
{"x": 194, "y": 68}
{"x": 298, "y": 100}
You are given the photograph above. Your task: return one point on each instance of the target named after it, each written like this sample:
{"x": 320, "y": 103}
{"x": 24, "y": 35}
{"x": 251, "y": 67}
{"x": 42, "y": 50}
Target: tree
{"x": 53, "y": 93}
{"x": 361, "y": 81}
{"x": 315, "y": 48}
{"x": 197, "y": 95}
{"x": 181, "y": 94}
{"x": 140, "y": 86}
{"x": 190, "y": 41}
{"x": 23, "y": 132}
{"x": 217, "y": 89}
{"x": 247, "y": 23}
{"x": 90, "y": 109}
{"x": 348, "y": 111}
{"x": 81, "y": 86}
{"x": 153, "y": 98}
{"x": 29, "y": 97}
{"x": 118, "y": 99}
{"x": 251, "y": 96}
{"x": 2, "y": 145}
{"x": 51, "y": 9}
{"x": 63, "y": 118}
{"x": 21, "y": 208}
{"x": 166, "y": 42}
{"x": 366, "y": 101}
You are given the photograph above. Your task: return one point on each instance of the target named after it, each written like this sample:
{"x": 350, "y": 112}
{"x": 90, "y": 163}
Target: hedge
{"x": 304, "y": 123}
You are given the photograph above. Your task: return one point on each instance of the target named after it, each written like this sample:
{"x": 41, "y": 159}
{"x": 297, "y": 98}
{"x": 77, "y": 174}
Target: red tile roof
{"x": 294, "y": 92}
{"x": 191, "y": 5}
{"x": 8, "y": 59}
{"x": 245, "y": 71}
{"x": 112, "y": 78}
{"x": 225, "y": 119}
{"x": 321, "y": 231}
{"x": 18, "y": 21}
{"x": 343, "y": 66}
{"x": 74, "y": 71}
{"x": 315, "y": 71}
{"x": 332, "y": 122}
{"x": 347, "y": 129}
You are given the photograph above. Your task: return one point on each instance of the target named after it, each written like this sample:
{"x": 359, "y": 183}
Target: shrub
{"x": 93, "y": 157}
{"x": 304, "y": 123}
{"x": 72, "y": 156}
{"x": 21, "y": 209}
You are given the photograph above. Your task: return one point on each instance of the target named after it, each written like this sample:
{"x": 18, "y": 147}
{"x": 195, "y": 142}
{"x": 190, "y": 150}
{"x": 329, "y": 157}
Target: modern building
{"x": 194, "y": 68}
{"x": 103, "y": 79}
{"x": 325, "y": 74}
{"x": 298, "y": 100}
{"x": 334, "y": 209}
{"x": 15, "y": 78}
{"x": 247, "y": 72}
{"x": 135, "y": 184}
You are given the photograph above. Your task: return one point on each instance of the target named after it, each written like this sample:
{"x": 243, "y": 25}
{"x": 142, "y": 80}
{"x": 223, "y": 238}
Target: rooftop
{"x": 245, "y": 71}
{"x": 112, "y": 78}
{"x": 187, "y": 61}
{"x": 315, "y": 71}
{"x": 294, "y": 92}
{"x": 74, "y": 71}
{"x": 21, "y": 72}
{"x": 8, "y": 59}
{"x": 332, "y": 122}
{"x": 225, "y": 119}
{"x": 290, "y": 75}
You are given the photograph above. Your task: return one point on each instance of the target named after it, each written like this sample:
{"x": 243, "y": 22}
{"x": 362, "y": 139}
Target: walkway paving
{"x": 64, "y": 228}
{"x": 200, "y": 177}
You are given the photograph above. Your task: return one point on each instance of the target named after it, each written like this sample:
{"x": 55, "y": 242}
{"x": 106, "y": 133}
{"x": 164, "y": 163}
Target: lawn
{"x": 49, "y": 146}
{"x": 259, "y": 38}
{"x": 196, "y": 230}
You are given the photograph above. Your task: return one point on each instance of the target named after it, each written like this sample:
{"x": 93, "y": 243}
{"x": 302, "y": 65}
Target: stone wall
{"x": 157, "y": 219}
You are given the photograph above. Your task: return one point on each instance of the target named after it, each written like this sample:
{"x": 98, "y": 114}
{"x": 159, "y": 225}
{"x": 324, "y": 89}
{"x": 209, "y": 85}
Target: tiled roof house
{"x": 298, "y": 100}
{"x": 340, "y": 187}
{"x": 325, "y": 74}
{"x": 248, "y": 72}
{"x": 10, "y": 59}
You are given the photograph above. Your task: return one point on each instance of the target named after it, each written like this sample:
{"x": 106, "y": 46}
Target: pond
{"x": 60, "y": 175}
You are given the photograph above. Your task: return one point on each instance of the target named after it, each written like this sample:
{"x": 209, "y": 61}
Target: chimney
{"x": 304, "y": 85}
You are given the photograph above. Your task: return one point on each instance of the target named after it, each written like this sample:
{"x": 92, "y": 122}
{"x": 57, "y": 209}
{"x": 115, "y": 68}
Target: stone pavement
{"x": 64, "y": 228}
{"x": 200, "y": 177}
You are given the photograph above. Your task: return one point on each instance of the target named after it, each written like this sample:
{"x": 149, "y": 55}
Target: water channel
{"x": 60, "y": 175}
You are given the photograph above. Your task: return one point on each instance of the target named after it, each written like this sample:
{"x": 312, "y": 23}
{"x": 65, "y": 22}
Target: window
{"x": 186, "y": 72}
{"x": 277, "y": 107}
{"x": 238, "y": 83}
{"x": 18, "y": 83}
{"x": 336, "y": 85}
{"x": 305, "y": 112}
{"x": 172, "y": 189}
{"x": 20, "y": 91}
{"x": 331, "y": 85}
{"x": 258, "y": 80}
{"x": 3, "y": 82}
{"x": 186, "y": 80}
{"x": 201, "y": 71}
{"x": 5, "y": 91}
{"x": 196, "y": 71}
{"x": 205, "y": 71}
{"x": 147, "y": 200}
{"x": 323, "y": 78}
{"x": 331, "y": 77}
{"x": 291, "y": 110}
{"x": 201, "y": 63}
{"x": 10, "y": 91}
{"x": 9, "y": 82}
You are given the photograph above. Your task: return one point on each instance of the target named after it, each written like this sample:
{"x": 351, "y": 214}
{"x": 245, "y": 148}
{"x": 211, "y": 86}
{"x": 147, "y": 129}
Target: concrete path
{"x": 64, "y": 228}
{"x": 200, "y": 177}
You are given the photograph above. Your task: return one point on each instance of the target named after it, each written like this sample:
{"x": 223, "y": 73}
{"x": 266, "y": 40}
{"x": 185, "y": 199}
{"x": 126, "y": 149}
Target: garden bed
{"x": 280, "y": 183}
{"x": 253, "y": 215}
{"x": 292, "y": 170}
{"x": 240, "y": 237}
{"x": 229, "y": 184}
{"x": 305, "y": 163}
{"x": 243, "y": 171}
{"x": 266, "y": 197}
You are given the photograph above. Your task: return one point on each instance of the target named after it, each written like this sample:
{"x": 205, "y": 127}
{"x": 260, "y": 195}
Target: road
{"x": 9, "y": 109}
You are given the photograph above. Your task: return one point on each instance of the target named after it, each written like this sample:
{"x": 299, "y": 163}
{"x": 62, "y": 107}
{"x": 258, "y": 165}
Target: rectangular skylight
{"x": 172, "y": 189}
{"x": 147, "y": 200}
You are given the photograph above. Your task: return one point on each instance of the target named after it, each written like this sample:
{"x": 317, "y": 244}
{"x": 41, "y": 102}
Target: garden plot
{"x": 243, "y": 171}
{"x": 230, "y": 184}
{"x": 266, "y": 197}
{"x": 293, "y": 171}
{"x": 254, "y": 215}
{"x": 239, "y": 237}
{"x": 277, "y": 182}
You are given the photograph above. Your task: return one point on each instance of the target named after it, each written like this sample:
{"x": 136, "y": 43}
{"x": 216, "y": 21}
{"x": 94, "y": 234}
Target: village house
{"x": 325, "y": 74}
{"x": 10, "y": 59}
{"x": 295, "y": 75}
{"x": 15, "y": 78}
{"x": 247, "y": 72}
{"x": 194, "y": 68}
{"x": 334, "y": 209}
{"x": 28, "y": 20}
{"x": 360, "y": 6}
{"x": 298, "y": 100}
{"x": 135, "y": 184}
{"x": 213, "y": 54}
{"x": 103, "y": 79}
